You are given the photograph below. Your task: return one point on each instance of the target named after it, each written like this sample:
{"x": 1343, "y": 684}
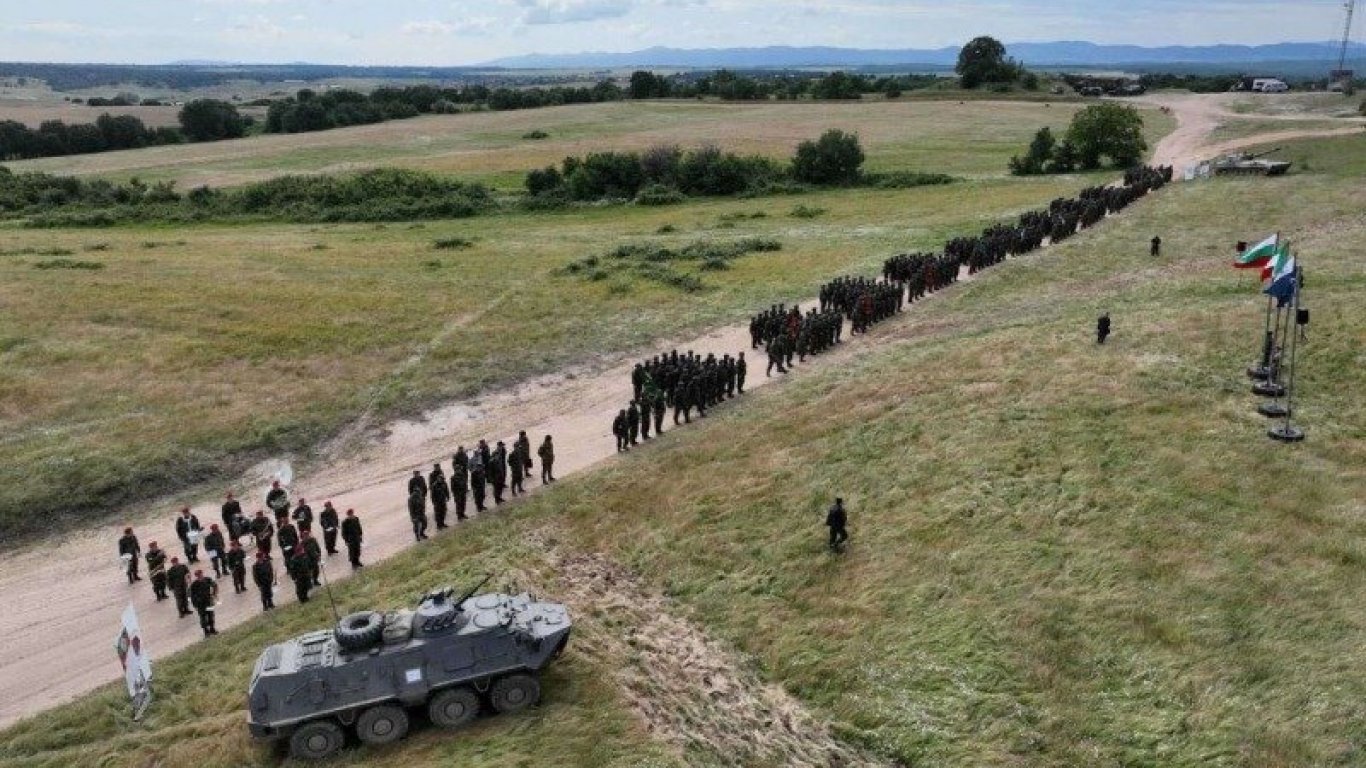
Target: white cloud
{"x": 434, "y": 27}
{"x": 258, "y": 27}
{"x": 572, "y": 11}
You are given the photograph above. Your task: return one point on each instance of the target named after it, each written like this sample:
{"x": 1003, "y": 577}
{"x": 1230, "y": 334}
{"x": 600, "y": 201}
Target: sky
{"x": 455, "y": 32}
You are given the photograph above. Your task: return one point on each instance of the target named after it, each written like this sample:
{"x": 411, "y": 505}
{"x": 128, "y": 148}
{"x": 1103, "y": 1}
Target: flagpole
{"x": 1270, "y": 384}
{"x": 1263, "y": 369}
{"x": 1287, "y": 433}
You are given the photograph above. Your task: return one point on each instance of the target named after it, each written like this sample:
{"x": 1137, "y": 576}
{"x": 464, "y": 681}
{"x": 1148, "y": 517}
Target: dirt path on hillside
{"x": 691, "y": 692}
{"x": 63, "y": 599}
{"x": 1198, "y": 116}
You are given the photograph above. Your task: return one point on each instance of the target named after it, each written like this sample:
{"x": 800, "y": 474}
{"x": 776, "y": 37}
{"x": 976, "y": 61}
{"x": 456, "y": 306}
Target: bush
{"x": 834, "y": 159}
{"x": 67, "y": 264}
{"x": 211, "y": 120}
{"x": 803, "y": 212}
{"x": 906, "y": 179}
{"x": 658, "y": 194}
{"x": 536, "y": 135}
{"x": 453, "y": 243}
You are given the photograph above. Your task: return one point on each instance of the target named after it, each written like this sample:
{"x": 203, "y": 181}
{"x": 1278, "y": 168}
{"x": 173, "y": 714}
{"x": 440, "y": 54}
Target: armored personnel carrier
{"x": 453, "y": 656}
{"x": 1244, "y": 164}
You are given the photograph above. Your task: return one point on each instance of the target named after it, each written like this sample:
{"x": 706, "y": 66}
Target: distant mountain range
{"x": 1066, "y": 53}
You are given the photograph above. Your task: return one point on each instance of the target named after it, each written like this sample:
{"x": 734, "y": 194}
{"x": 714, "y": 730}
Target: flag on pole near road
{"x": 137, "y": 668}
{"x": 1282, "y": 286}
{"x": 1259, "y": 254}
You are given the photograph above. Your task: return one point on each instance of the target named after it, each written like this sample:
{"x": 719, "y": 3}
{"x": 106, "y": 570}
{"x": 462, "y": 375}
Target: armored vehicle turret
{"x": 1244, "y": 164}
{"x": 453, "y": 655}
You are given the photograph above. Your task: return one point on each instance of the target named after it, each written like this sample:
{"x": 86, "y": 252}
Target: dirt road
{"x": 63, "y": 598}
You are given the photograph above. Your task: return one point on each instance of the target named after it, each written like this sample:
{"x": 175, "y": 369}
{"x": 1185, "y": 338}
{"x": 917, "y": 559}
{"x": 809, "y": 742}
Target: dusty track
{"x": 63, "y": 598}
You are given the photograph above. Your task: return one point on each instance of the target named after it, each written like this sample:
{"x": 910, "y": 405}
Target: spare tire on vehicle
{"x": 359, "y": 631}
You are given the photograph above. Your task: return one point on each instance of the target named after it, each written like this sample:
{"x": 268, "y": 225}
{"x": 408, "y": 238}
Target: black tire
{"x": 453, "y": 707}
{"x": 359, "y": 630}
{"x": 316, "y": 740}
{"x": 514, "y": 693}
{"x": 382, "y": 724}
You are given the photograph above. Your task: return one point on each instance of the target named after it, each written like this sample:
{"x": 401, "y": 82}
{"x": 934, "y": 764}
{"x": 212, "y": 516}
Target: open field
{"x": 34, "y": 115}
{"x": 1293, "y": 104}
{"x": 182, "y": 354}
{"x": 972, "y": 138}
{"x": 1063, "y": 554}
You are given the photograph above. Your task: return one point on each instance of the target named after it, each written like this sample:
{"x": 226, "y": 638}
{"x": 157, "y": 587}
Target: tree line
{"x": 200, "y": 120}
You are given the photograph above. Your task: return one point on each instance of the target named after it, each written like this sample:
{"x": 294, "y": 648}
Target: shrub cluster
{"x": 1101, "y": 131}
{"x": 659, "y": 264}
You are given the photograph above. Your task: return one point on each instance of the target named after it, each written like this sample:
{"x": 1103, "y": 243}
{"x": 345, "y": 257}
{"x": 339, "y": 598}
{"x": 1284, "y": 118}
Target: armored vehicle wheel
{"x": 453, "y": 707}
{"x": 359, "y": 630}
{"x": 383, "y": 724}
{"x": 515, "y": 693}
{"x": 316, "y": 740}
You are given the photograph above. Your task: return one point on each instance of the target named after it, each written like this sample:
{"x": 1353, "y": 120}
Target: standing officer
{"x": 288, "y": 536}
{"x": 417, "y": 512}
{"x": 417, "y": 485}
{"x": 351, "y": 533}
{"x": 231, "y": 511}
{"x": 187, "y": 530}
{"x": 837, "y": 520}
{"x": 517, "y": 466}
{"x": 129, "y": 547}
{"x": 441, "y": 494}
{"x": 460, "y": 482}
{"x": 315, "y": 557}
{"x": 477, "y": 480}
{"x": 498, "y": 471}
{"x": 237, "y": 566}
{"x": 301, "y": 572}
{"x": 303, "y": 516}
{"x": 179, "y": 577}
{"x": 156, "y": 570}
{"x": 547, "y": 454}
{"x": 216, "y": 548}
{"x": 262, "y": 529}
{"x": 329, "y": 522}
{"x": 263, "y": 573}
{"x": 203, "y": 592}
{"x": 524, "y": 444}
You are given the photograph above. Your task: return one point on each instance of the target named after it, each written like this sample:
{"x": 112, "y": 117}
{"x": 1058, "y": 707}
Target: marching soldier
{"x": 659, "y": 410}
{"x": 524, "y": 445}
{"x": 460, "y": 482}
{"x": 301, "y": 572}
{"x": 417, "y": 513}
{"x": 263, "y": 530}
{"x": 203, "y": 592}
{"x": 645, "y": 409}
{"x": 418, "y": 485}
{"x": 498, "y": 471}
{"x": 178, "y": 575}
{"x": 315, "y": 557}
{"x": 277, "y": 500}
{"x": 263, "y": 573}
{"x": 215, "y": 548}
{"x": 329, "y": 522}
{"x": 187, "y": 530}
{"x": 237, "y": 566}
{"x": 156, "y": 570}
{"x": 303, "y": 516}
{"x": 547, "y": 454}
{"x": 232, "y": 510}
{"x": 129, "y": 547}
{"x": 837, "y": 519}
{"x": 740, "y": 368}
{"x": 352, "y": 533}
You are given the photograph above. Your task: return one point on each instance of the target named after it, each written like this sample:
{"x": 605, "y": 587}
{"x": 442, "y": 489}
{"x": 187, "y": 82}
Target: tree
{"x": 211, "y": 120}
{"x": 1064, "y": 159}
{"x": 647, "y": 85}
{"x": 1040, "y": 152}
{"x": 1107, "y": 130}
{"x": 983, "y": 60}
{"x": 838, "y": 85}
{"x": 834, "y": 158}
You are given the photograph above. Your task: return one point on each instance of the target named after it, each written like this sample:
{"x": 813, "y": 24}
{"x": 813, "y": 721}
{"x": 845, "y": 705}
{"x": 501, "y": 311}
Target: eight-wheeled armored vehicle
{"x": 1244, "y": 164}
{"x": 453, "y": 655}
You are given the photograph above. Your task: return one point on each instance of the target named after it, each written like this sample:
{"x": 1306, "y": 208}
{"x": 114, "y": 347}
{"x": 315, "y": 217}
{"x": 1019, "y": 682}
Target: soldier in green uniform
{"x": 178, "y": 577}
{"x": 156, "y": 570}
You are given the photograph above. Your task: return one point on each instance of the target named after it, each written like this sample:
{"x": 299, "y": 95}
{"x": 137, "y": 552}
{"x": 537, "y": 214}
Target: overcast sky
{"x": 449, "y": 32}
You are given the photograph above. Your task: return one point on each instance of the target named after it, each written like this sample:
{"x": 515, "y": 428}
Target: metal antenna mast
{"x": 1351, "y": 7}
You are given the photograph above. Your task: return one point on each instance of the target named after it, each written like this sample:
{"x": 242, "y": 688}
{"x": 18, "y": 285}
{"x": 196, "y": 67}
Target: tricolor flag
{"x": 1281, "y": 255}
{"x": 1259, "y": 254}
{"x": 1282, "y": 286}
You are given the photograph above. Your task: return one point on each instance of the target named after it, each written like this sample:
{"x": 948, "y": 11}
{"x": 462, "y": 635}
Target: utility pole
{"x": 1343, "y": 76}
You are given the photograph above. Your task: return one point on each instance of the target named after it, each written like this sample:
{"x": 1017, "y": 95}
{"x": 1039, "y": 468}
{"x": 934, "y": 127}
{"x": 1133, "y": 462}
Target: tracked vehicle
{"x": 1244, "y": 164}
{"x": 453, "y": 656}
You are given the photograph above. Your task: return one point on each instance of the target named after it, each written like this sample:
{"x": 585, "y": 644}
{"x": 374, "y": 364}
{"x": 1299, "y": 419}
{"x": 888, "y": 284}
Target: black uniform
{"x": 202, "y": 592}
{"x": 263, "y": 573}
{"x": 303, "y": 517}
{"x": 156, "y": 571}
{"x": 301, "y": 572}
{"x": 352, "y": 533}
{"x": 237, "y": 566}
{"x": 315, "y": 559}
{"x": 498, "y": 472}
{"x": 619, "y": 431}
{"x": 1155, "y": 248}
{"x": 633, "y": 423}
{"x": 288, "y": 537}
{"x": 477, "y": 481}
{"x": 645, "y": 409}
{"x": 263, "y": 530}
{"x": 231, "y": 511}
{"x": 128, "y": 545}
{"x": 327, "y": 519}
{"x": 836, "y": 519}
{"x": 1102, "y": 329}
{"x": 277, "y": 500}
{"x": 441, "y": 494}
{"x": 547, "y": 454}
{"x": 216, "y": 547}
{"x": 517, "y": 468}
{"x": 183, "y": 526}
{"x": 460, "y": 483}
{"x": 417, "y": 512}
{"x": 179, "y": 577}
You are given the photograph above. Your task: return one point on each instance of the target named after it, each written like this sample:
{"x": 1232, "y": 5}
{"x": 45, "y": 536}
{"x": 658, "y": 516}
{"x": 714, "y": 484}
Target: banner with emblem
{"x": 137, "y": 666}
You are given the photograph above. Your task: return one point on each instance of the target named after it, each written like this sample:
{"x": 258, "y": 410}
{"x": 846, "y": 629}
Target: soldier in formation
{"x": 547, "y": 455}
{"x": 263, "y": 573}
{"x": 460, "y": 482}
{"x": 300, "y": 572}
{"x": 232, "y": 517}
{"x": 237, "y": 566}
{"x": 187, "y": 530}
{"x": 329, "y": 522}
{"x": 441, "y": 495}
{"x": 216, "y": 547}
{"x": 352, "y": 534}
{"x": 156, "y": 570}
{"x": 477, "y": 477}
{"x": 303, "y": 517}
{"x": 203, "y": 592}
{"x": 178, "y": 579}
{"x": 131, "y": 552}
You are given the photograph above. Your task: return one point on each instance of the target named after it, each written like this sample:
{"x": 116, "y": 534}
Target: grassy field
{"x": 143, "y": 359}
{"x": 1063, "y": 554}
{"x": 1242, "y": 128}
{"x": 970, "y": 138}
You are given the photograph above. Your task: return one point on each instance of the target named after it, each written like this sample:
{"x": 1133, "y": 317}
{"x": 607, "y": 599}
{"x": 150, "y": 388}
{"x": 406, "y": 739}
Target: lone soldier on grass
{"x": 263, "y": 573}
{"x": 129, "y": 548}
{"x": 156, "y": 570}
{"x": 547, "y": 454}
{"x": 837, "y": 520}
{"x": 1102, "y": 328}
{"x": 327, "y": 518}
{"x": 179, "y": 577}
{"x": 352, "y": 533}
{"x": 1155, "y": 247}
{"x": 237, "y": 566}
{"x": 203, "y": 592}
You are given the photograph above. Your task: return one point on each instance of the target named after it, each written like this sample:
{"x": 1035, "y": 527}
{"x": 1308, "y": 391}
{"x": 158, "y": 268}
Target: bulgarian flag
{"x": 1259, "y": 254}
{"x": 1283, "y": 280}
{"x": 1278, "y": 261}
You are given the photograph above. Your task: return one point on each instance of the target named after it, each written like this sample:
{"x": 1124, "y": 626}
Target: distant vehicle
{"x": 1269, "y": 85}
{"x": 1244, "y": 164}
{"x": 452, "y": 656}
{"x": 1128, "y": 89}
{"x": 1091, "y": 90}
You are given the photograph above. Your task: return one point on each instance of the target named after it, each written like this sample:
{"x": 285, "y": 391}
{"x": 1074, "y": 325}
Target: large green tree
{"x": 211, "y": 120}
{"x": 835, "y": 158}
{"x": 1111, "y": 131}
{"x": 983, "y": 60}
